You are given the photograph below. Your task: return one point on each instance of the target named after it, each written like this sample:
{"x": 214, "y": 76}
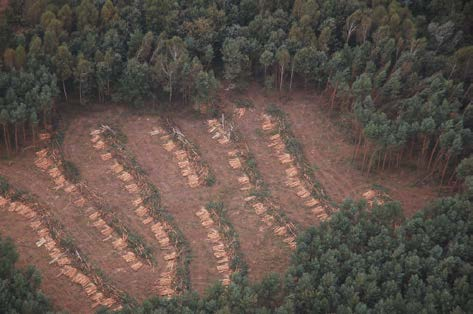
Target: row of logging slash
{"x": 165, "y": 285}
{"x": 192, "y": 167}
{"x": 265, "y": 212}
{"x": 49, "y": 163}
{"x": 71, "y": 264}
{"x": 188, "y": 158}
{"x": 296, "y": 178}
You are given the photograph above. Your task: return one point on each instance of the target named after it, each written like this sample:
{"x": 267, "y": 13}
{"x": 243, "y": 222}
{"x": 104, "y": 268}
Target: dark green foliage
{"x": 412, "y": 58}
{"x": 4, "y": 186}
{"x": 373, "y": 262}
{"x": 210, "y": 179}
{"x": 135, "y": 84}
{"x": 135, "y": 242}
{"x": 401, "y": 70}
{"x": 244, "y": 103}
{"x": 370, "y": 261}
{"x": 71, "y": 172}
{"x": 19, "y": 288}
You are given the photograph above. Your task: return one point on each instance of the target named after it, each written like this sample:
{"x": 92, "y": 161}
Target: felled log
{"x": 235, "y": 163}
{"x": 106, "y": 156}
{"x": 117, "y": 168}
{"x": 99, "y": 145}
{"x": 169, "y": 146}
{"x": 132, "y": 188}
{"x": 125, "y": 176}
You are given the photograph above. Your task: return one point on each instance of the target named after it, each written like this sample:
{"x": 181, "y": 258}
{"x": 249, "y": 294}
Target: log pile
{"x": 375, "y": 197}
{"x": 220, "y": 250}
{"x": 160, "y": 229}
{"x": 287, "y": 232}
{"x": 240, "y": 112}
{"x": 59, "y": 256}
{"x": 294, "y": 179}
{"x": 94, "y": 216}
{"x": 218, "y": 132}
{"x": 187, "y": 166}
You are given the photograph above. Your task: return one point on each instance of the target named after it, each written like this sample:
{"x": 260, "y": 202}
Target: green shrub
{"x": 71, "y": 172}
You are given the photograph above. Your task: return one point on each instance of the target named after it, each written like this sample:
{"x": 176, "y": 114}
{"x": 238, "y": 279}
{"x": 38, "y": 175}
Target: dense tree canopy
{"x": 18, "y": 288}
{"x": 402, "y": 71}
{"x": 360, "y": 262}
{"x": 388, "y": 54}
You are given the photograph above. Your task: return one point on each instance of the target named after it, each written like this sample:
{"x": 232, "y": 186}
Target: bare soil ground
{"x": 62, "y": 292}
{"x": 272, "y": 171}
{"x": 98, "y": 177}
{"x": 22, "y": 174}
{"x": 178, "y": 198}
{"x": 329, "y": 150}
{"x": 3, "y": 5}
{"x": 326, "y": 145}
{"x": 264, "y": 253}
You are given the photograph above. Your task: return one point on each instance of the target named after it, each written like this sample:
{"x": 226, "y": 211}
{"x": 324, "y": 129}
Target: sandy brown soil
{"x": 329, "y": 150}
{"x": 326, "y": 146}
{"x": 97, "y": 175}
{"x": 178, "y": 198}
{"x": 264, "y": 252}
{"x": 61, "y": 291}
{"x": 272, "y": 171}
{"x": 3, "y": 5}
{"x": 24, "y": 175}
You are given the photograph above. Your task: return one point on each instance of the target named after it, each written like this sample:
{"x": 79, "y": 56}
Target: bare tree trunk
{"x": 5, "y": 137}
{"x": 80, "y": 91}
{"x": 371, "y": 161}
{"x": 364, "y": 156}
{"x": 379, "y": 161}
{"x": 424, "y": 148}
{"x": 292, "y": 76}
{"x": 64, "y": 89}
{"x": 170, "y": 87}
{"x": 399, "y": 157}
{"x": 281, "y": 80}
{"x": 24, "y": 132}
{"x": 445, "y": 168}
{"x": 16, "y": 137}
{"x": 433, "y": 152}
{"x": 355, "y": 153}
{"x": 33, "y": 131}
{"x": 332, "y": 98}
{"x": 384, "y": 159}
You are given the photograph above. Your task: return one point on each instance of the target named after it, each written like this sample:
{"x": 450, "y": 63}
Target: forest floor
{"x": 325, "y": 144}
